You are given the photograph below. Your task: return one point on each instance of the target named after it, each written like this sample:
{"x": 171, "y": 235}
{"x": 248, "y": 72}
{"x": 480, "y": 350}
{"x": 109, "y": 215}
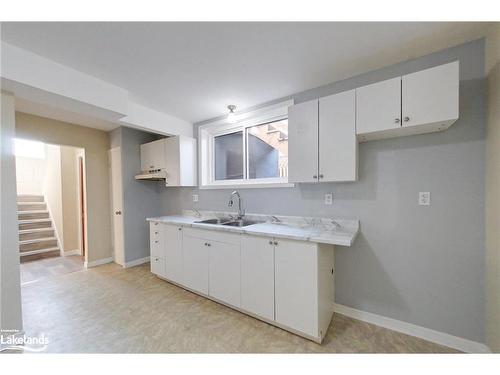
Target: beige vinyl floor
{"x": 109, "y": 309}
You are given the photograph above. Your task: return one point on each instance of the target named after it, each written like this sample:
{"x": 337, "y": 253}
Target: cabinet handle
{"x": 407, "y": 119}
{"x": 156, "y": 241}
{"x": 315, "y": 176}
{"x": 118, "y": 212}
{"x": 179, "y": 228}
{"x": 208, "y": 244}
{"x": 270, "y": 242}
{"x": 275, "y": 243}
{"x": 156, "y": 232}
{"x": 156, "y": 223}
{"x": 397, "y": 120}
{"x": 320, "y": 176}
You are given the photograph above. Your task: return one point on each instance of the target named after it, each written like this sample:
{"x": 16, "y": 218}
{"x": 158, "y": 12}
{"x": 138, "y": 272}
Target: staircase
{"x": 37, "y": 237}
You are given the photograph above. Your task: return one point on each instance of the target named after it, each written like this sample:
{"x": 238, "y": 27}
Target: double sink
{"x": 227, "y": 221}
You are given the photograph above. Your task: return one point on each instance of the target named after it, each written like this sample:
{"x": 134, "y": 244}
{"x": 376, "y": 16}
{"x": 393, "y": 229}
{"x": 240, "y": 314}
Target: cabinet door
{"x": 173, "y": 253}
{"x": 378, "y": 106}
{"x": 337, "y": 137}
{"x": 296, "y": 285}
{"x": 257, "y": 275}
{"x": 224, "y": 272}
{"x": 156, "y": 239}
{"x": 146, "y": 162}
{"x": 303, "y": 142}
{"x": 195, "y": 263}
{"x": 431, "y": 95}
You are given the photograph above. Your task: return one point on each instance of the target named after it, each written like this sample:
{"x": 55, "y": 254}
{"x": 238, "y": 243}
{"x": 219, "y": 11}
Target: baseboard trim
{"x": 136, "y": 262}
{"x": 98, "y": 262}
{"x": 428, "y": 334}
{"x": 71, "y": 252}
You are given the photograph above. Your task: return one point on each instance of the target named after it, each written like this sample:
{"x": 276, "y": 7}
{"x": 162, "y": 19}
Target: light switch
{"x": 424, "y": 198}
{"x": 329, "y": 198}
{"x": 195, "y": 197}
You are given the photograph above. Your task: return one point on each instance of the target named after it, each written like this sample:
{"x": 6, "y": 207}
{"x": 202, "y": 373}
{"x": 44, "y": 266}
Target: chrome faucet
{"x": 241, "y": 212}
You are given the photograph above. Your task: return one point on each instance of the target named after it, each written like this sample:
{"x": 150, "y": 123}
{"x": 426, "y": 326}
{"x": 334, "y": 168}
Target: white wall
{"x": 30, "y": 174}
{"x": 10, "y": 288}
{"x": 53, "y": 189}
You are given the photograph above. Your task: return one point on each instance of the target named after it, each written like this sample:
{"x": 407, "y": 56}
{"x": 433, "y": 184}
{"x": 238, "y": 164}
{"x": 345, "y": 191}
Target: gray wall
{"x": 418, "y": 264}
{"x": 140, "y": 198}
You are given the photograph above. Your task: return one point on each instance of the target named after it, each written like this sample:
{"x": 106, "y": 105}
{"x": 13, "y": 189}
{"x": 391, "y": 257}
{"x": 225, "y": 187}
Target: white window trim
{"x": 207, "y": 132}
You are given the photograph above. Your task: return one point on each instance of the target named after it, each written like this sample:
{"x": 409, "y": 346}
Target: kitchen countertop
{"x": 320, "y": 230}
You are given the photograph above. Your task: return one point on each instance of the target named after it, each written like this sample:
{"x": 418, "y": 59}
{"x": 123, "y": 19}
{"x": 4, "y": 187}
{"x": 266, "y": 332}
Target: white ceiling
{"x": 194, "y": 70}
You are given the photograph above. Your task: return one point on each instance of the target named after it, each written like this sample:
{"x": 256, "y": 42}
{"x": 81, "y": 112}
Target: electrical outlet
{"x": 195, "y": 197}
{"x": 329, "y": 198}
{"x": 424, "y": 198}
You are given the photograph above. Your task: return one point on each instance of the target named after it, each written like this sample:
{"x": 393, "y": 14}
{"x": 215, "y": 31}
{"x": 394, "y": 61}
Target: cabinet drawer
{"x": 212, "y": 235}
{"x": 158, "y": 266}
{"x": 156, "y": 247}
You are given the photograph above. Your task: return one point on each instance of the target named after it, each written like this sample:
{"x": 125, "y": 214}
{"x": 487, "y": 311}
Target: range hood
{"x": 152, "y": 175}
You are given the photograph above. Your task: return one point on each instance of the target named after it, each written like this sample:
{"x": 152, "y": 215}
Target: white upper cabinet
{"x": 303, "y": 142}
{"x": 378, "y": 106}
{"x": 322, "y": 143}
{"x": 416, "y": 103}
{"x": 174, "y": 156}
{"x": 337, "y": 137}
{"x": 431, "y": 96}
{"x": 181, "y": 161}
{"x": 153, "y": 155}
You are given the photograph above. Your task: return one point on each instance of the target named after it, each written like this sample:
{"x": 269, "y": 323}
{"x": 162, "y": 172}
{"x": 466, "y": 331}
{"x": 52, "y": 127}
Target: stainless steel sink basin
{"x": 216, "y": 221}
{"x": 240, "y": 223}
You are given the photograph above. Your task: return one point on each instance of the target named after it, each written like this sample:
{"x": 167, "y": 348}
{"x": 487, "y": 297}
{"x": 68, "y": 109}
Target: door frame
{"x": 82, "y": 205}
{"x": 118, "y": 258}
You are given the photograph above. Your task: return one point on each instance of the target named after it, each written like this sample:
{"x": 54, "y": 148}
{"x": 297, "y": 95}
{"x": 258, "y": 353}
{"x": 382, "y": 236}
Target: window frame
{"x": 206, "y": 137}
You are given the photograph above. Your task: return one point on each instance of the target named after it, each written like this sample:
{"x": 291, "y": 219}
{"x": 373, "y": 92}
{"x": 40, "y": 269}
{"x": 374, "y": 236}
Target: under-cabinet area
{"x": 285, "y": 282}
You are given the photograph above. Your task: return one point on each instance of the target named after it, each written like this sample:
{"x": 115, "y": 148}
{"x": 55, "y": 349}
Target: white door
{"x": 195, "y": 263}
{"x": 303, "y": 142}
{"x": 296, "y": 285}
{"x": 257, "y": 275}
{"x": 338, "y": 147}
{"x": 173, "y": 253}
{"x": 224, "y": 272}
{"x": 117, "y": 204}
{"x": 431, "y": 95}
{"x": 378, "y": 106}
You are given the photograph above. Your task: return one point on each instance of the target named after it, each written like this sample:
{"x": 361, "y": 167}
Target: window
{"x": 29, "y": 149}
{"x": 254, "y": 151}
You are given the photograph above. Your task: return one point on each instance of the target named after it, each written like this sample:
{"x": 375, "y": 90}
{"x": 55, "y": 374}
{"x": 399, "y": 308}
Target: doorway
{"x": 51, "y": 208}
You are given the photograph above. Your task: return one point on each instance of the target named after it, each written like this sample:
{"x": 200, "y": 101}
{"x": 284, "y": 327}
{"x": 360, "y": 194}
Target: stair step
{"x": 31, "y": 206}
{"x": 32, "y": 215}
{"x": 38, "y": 256}
{"x": 35, "y": 224}
{"x": 35, "y": 240}
{"x": 37, "y": 233}
{"x": 38, "y": 244}
{"x": 30, "y": 198}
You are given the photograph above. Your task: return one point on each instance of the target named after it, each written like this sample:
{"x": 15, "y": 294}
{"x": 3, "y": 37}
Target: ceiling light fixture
{"x": 231, "y": 117}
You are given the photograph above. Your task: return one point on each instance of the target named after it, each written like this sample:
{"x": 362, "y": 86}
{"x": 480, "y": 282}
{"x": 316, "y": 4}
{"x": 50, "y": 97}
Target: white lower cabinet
{"x": 195, "y": 263}
{"x": 173, "y": 252}
{"x": 257, "y": 275}
{"x": 304, "y": 286}
{"x": 224, "y": 272}
{"x": 287, "y": 282}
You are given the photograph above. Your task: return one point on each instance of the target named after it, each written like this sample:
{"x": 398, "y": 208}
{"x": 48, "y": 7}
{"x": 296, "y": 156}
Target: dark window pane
{"x": 228, "y": 152}
{"x": 268, "y": 150}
